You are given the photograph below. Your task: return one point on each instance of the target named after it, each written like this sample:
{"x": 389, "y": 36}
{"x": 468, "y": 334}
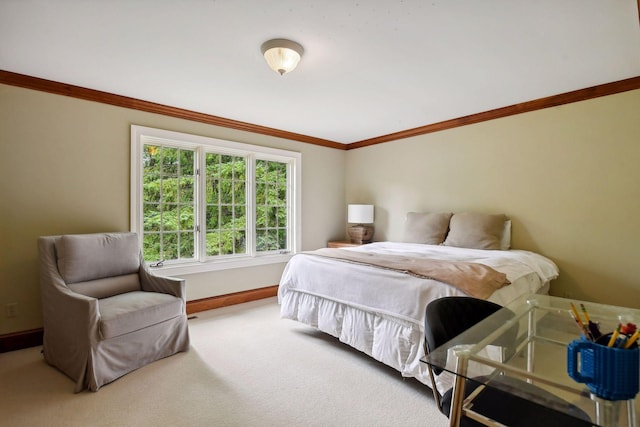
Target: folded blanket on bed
{"x": 477, "y": 280}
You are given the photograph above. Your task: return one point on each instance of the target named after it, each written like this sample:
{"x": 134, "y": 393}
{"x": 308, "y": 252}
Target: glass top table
{"x": 528, "y": 340}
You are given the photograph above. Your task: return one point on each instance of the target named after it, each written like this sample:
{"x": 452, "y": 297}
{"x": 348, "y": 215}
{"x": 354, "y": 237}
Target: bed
{"x": 379, "y": 309}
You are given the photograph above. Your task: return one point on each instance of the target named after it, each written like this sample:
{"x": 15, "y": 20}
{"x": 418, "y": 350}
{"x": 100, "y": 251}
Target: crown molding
{"x": 35, "y": 83}
{"x": 50, "y": 86}
{"x": 524, "y": 107}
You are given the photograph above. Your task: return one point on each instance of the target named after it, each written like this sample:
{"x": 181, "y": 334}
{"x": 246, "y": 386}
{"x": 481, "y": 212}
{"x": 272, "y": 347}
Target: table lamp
{"x": 360, "y": 215}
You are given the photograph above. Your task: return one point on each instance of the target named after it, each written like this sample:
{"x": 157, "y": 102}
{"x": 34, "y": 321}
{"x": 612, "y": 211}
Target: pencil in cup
{"x": 581, "y": 325}
{"x": 632, "y": 339}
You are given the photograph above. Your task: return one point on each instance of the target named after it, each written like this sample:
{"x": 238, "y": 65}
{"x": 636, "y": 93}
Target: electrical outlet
{"x": 12, "y": 309}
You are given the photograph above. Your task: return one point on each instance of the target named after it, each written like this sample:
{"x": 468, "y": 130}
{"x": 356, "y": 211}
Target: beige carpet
{"x": 246, "y": 367}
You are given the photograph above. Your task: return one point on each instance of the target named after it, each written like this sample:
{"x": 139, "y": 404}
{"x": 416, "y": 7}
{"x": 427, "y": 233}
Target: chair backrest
{"x": 448, "y": 317}
{"x": 99, "y": 265}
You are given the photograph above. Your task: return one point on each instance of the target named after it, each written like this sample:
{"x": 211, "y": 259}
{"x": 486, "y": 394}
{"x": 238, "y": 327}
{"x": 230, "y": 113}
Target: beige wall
{"x": 569, "y": 177}
{"x": 65, "y": 169}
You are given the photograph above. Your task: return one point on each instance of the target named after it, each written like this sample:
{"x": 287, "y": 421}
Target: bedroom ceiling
{"x": 370, "y": 68}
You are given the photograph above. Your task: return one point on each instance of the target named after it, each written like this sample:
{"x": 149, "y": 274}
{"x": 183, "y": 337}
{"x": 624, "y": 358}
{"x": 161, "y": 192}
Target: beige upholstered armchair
{"x": 104, "y": 313}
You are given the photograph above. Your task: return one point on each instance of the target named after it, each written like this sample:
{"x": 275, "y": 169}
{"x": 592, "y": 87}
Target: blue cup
{"x": 610, "y": 373}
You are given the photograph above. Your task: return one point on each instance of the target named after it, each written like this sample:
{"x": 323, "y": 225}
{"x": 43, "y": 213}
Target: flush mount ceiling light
{"x": 282, "y": 55}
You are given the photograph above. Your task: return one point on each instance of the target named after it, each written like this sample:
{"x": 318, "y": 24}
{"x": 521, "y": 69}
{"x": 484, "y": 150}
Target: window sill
{"x": 203, "y": 267}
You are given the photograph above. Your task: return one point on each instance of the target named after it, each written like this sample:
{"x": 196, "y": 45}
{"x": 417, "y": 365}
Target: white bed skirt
{"x": 394, "y": 342}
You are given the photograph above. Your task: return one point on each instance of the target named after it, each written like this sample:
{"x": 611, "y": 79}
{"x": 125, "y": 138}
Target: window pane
{"x": 152, "y": 217}
{"x": 261, "y": 217}
{"x": 272, "y": 220}
{"x": 187, "y": 245}
{"x": 273, "y": 239}
{"x": 186, "y": 162}
{"x": 169, "y": 190}
{"x": 151, "y": 159}
{"x": 186, "y": 193}
{"x": 240, "y": 170}
{"x": 187, "y": 220}
{"x": 170, "y": 161}
{"x": 226, "y": 191}
{"x": 212, "y": 220}
{"x": 271, "y": 205}
{"x": 151, "y": 191}
{"x": 239, "y": 216}
{"x": 213, "y": 189}
{"x": 261, "y": 240}
{"x": 213, "y": 244}
{"x": 226, "y": 217}
{"x": 169, "y": 246}
{"x": 151, "y": 244}
{"x": 260, "y": 170}
{"x": 282, "y": 194}
{"x": 240, "y": 242}
{"x": 168, "y": 203}
{"x": 239, "y": 192}
{"x": 226, "y": 242}
{"x": 169, "y": 217}
{"x": 261, "y": 193}
{"x": 226, "y": 204}
{"x": 281, "y": 215}
{"x": 282, "y": 238}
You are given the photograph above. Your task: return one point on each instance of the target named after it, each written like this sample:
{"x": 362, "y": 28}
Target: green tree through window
{"x": 226, "y": 209}
{"x": 168, "y": 203}
{"x": 271, "y": 205}
{"x": 202, "y": 204}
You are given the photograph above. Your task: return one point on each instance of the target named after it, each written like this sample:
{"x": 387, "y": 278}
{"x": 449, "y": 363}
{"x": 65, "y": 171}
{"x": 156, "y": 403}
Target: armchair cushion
{"x": 131, "y": 311}
{"x": 107, "y": 287}
{"x": 84, "y": 257}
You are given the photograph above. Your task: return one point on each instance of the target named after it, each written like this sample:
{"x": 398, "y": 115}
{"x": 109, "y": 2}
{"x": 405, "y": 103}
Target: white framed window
{"x": 201, "y": 204}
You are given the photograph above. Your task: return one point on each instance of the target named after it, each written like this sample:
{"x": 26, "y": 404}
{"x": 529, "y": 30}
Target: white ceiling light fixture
{"x": 282, "y": 55}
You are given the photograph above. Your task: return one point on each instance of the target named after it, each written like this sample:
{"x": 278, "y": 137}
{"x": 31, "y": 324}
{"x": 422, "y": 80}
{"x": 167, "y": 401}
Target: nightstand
{"x": 341, "y": 244}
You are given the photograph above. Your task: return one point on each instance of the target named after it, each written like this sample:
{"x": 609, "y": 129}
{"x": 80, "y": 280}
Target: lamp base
{"x": 361, "y": 234}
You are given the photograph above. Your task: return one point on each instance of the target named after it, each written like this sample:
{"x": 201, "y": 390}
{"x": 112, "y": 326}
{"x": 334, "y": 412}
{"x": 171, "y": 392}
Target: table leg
{"x": 457, "y": 398}
{"x": 608, "y": 411}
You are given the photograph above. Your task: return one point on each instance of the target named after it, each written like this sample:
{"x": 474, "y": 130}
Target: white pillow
{"x": 505, "y": 242}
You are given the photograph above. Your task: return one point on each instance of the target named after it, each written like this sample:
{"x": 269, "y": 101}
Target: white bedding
{"x": 381, "y": 311}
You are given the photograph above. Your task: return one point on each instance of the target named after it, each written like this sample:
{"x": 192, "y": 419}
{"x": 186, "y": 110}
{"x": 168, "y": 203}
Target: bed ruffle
{"x": 394, "y": 342}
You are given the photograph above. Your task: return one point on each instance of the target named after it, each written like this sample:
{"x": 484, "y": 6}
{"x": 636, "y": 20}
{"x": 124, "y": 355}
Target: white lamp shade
{"x": 282, "y": 55}
{"x": 360, "y": 214}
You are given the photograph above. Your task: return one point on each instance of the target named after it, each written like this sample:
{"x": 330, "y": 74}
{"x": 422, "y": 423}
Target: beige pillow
{"x": 427, "y": 228}
{"x": 476, "y": 231}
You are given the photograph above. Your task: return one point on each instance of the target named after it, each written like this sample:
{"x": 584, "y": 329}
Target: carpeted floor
{"x": 246, "y": 367}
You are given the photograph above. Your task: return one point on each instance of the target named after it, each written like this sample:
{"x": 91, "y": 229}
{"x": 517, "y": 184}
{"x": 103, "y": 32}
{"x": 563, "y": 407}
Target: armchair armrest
{"x": 166, "y": 285}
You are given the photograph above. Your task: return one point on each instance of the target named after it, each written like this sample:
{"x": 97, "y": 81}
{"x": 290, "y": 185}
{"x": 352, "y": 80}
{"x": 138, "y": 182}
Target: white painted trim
{"x": 202, "y": 267}
{"x": 189, "y": 141}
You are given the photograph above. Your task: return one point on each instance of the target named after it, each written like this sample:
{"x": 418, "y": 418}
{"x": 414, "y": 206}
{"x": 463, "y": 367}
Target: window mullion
{"x": 201, "y": 194}
{"x": 251, "y": 205}
{"x": 290, "y": 210}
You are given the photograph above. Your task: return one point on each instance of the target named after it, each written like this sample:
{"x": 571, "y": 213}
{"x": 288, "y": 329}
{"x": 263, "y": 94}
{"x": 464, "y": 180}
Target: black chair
{"x": 448, "y": 317}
